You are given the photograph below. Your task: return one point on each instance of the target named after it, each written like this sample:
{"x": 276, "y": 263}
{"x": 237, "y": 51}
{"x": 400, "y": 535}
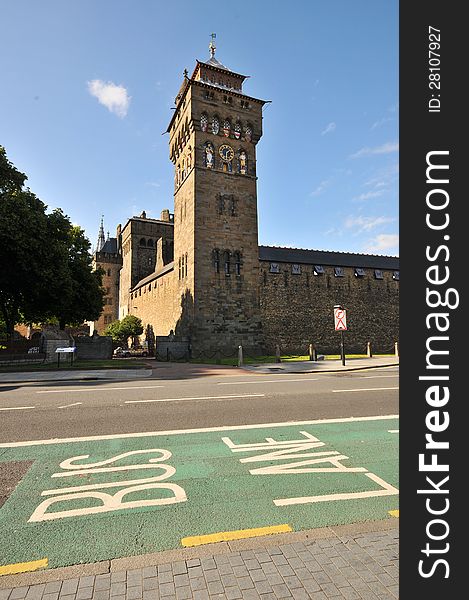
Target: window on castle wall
{"x": 233, "y": 206}
{"x": 109, "y": 272}
{"x": 179, "y": 268}
{"x": 227, "y": 263}
{"x": 215, "y": 125}
{"x": 150, "y": 244}
{"x": 237, "y": 130}
{"x": 226, "y": 128}
{"x": 237, "y": 258}
{"x": 185, "y": 265}
{"x": 221, "y": 204}
{"x": 216, "y": 260}
{"x": 204, "y": 122}
{"x": 143, "y": 242}
{"x": 248, "y": 133}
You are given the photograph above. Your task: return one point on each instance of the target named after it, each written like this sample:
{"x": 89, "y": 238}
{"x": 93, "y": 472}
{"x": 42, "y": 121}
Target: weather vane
{"x": 212, "y": 46}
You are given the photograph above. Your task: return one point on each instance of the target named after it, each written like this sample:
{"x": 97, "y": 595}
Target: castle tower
{"x": 213, "y": 136}
{"x": 101, "y": 240}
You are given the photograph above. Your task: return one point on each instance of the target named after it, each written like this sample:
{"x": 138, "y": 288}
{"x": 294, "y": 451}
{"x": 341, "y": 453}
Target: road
{"x": 95, "y": 470}
{"x": 69, "y": 409}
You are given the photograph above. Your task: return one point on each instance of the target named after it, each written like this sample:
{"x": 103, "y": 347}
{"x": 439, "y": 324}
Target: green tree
{"x": 45, "y": 269}
{"x": 120, "y": 331}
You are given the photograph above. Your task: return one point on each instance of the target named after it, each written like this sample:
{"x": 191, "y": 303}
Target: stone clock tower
{"x": 213, "y": 136}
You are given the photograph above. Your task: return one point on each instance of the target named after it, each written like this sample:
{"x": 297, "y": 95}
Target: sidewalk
{"x": 306, "y": 366}
{"x": 354, "y": 562}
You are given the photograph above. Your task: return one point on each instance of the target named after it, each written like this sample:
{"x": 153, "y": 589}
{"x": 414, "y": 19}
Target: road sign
{"x": 340, "y": 319}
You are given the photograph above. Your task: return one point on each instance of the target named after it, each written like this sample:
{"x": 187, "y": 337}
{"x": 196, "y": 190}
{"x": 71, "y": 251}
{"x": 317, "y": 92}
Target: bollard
{"x": 240, "y": 356}
{"x": 167, "y": 354}
{"x": 396, "y": 348}
{"x": 368, "y": 350}
{"x": 311, "y": 350}
{"x": 277, "y": 353}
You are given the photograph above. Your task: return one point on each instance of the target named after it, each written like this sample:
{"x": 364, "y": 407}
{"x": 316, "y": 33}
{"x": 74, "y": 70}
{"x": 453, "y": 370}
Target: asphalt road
{"x": 87, "y": 408}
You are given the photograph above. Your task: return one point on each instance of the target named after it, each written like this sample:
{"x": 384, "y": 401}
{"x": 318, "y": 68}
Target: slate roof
{"x": 110, "y": 246}
{"x": 327, "y": 258}
{"x": 154, "y": 275}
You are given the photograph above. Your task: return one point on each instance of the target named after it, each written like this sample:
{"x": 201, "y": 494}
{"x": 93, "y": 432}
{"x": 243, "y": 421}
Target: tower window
{"x": 237, "y": 130}
{"x": 185, "y": 266}
{"x": 216, "y": 260}
{"x": 379, "y": 274}
{"x": 215, "y": 125}
{"x": 143, "y": 242}
{"x": 359, "y": 272}
{"x": 237, "y": 258}
{"x": 226, "y": 127}
{"x": 226, "y": 258}
{"x": 248, "y": 133}
{"x": 203, "y": 122}
{"x": 221, "y": 204}
{"x": 318, "y": 270}
{"x": 150, "y": 243}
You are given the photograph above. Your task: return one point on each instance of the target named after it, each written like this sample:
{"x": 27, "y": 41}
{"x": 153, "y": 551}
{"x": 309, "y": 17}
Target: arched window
{"x": 179, "y": 268}
{"x": 216, "y": 260}
{"x": 248, "y": 133}
{"x": 150, "y": 243}
{"x": 143, "y": 242}
{"x": 209, "y": 158}
{"x": 215, "y": 125}
{"x": 237, "y": 259}
{"x": 109, "y": 272}
{"x": 237, "y": 130}
{"x": 185, "y": 265}
{"x": 242, "y": 161}
{"x": 226, "y": 127}
{"x": 203, "y": 122}
{"x": 227, "y": 263}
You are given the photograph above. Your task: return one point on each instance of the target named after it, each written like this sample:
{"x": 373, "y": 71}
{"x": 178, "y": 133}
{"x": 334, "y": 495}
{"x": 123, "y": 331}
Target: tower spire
{"x": 212, "y": 46}
{"x": 101, "y": 239}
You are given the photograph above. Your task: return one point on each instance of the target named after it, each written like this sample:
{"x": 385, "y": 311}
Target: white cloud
{"x": 368, "y": 195}
{"x": 329, "y": 129}
{"x": 384, "y": 241}
{"x": 321, "y": 187}
{"x": 384, "y": 177}
{"x": 114, "y": 97}
{"x": 380, "y": 122}
{"x": 387, "y": 148}
{"x": 362, "y": 223}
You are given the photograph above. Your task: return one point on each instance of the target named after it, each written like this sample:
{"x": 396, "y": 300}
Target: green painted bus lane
{"x": 99, "y": 499}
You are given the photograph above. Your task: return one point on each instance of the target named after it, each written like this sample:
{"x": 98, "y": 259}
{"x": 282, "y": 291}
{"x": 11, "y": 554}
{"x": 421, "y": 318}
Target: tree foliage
{"x": 46, "y": 270}
{"x": 120, "y": 331}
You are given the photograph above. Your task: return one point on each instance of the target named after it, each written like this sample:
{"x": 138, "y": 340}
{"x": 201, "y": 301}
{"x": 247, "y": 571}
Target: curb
{"x": 84, "y": 378}
{"x": 167, "y": 556}
{"x": 281, "y": 371}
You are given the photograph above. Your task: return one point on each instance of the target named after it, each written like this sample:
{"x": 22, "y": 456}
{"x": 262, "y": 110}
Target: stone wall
{"x": 95, "y": 347}
{"x": 297, "y": 309}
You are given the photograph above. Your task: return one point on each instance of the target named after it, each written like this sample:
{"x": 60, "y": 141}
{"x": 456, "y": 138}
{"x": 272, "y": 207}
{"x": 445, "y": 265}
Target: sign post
{"x": 340, "y": 324}
{"x": 70, "y": 350}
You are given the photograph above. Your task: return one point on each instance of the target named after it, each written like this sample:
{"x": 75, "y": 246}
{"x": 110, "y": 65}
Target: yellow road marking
{"x": 394, "y": 513}
{"x": 226, "y": 536}
{"x": 23, "y": 567}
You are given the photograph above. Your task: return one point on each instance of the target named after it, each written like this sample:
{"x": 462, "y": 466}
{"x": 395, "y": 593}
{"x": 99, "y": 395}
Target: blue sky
{"x": 88, "y": 86}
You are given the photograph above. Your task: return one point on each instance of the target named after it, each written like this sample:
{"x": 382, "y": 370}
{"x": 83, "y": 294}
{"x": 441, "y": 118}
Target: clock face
{"x": 226, "y": 152}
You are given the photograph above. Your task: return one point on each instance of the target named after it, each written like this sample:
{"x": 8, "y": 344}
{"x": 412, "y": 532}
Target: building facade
{"x": 199, "y": 272}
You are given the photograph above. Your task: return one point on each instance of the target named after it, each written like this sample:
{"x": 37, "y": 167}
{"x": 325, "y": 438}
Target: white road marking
{"x": 367, "y": 389}
{"x": 144, "y": 434}
{"x": 103, "y": 389}
{"x": 18, "y": 408}
{"x": 195, "y": 398}
{"x": 69, "y": 405}
{"x": 268, "y": 381}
